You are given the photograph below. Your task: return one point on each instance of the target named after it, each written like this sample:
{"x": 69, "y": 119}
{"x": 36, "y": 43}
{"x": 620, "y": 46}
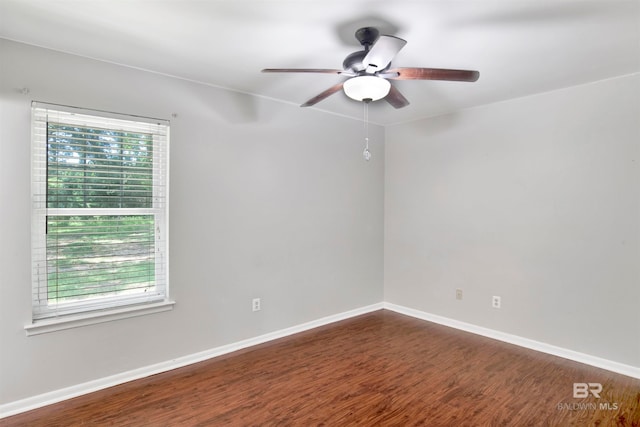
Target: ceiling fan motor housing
{"x": 353, "y": 62}
{"x": 367, "y": 36}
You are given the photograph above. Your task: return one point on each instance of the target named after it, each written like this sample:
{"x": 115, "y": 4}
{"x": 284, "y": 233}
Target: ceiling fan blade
{"x": 302, "y": 70}
{"x": 434, "y": 74}
{"x": 382, "y": 53}
{"x": 395, "y": 98}
{"x": 333, "y": 89}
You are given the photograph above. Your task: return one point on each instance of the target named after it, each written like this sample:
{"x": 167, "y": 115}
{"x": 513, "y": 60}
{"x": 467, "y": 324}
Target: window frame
{"x": 63, "y": 315}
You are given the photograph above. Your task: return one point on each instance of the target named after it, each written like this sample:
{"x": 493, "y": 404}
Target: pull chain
{"x": 366, "y": 153}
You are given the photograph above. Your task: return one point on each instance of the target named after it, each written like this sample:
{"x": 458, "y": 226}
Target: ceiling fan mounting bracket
{"x": 367, "y": 36}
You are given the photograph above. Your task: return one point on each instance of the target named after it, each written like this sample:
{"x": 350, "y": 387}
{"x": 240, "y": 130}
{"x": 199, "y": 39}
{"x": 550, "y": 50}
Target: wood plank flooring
{"x": 379, "y": 369}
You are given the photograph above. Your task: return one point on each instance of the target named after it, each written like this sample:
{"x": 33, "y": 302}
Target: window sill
{"x": 76, "y": 321}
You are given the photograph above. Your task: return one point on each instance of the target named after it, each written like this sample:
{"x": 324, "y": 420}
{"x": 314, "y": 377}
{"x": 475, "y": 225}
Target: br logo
{"x": 581, "y": 390}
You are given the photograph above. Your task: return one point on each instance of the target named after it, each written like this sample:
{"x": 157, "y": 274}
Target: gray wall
{"x": 267, "y": 200}
{"x": 536, "y": 200}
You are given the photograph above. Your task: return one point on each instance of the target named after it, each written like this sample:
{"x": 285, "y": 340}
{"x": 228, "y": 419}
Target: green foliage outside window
{"x": 95, "y": 255}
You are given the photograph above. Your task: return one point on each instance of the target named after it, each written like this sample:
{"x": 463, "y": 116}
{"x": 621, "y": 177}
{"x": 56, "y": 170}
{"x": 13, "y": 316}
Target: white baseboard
{"x": 620, "y": 368}
{"x": 56, "y": 396}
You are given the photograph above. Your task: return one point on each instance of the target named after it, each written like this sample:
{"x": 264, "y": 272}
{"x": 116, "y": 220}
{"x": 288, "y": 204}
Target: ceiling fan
{"x": 369, "y": 71}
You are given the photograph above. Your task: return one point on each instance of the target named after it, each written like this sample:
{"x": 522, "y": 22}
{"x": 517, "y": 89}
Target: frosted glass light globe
{"x": 366, "y": 87}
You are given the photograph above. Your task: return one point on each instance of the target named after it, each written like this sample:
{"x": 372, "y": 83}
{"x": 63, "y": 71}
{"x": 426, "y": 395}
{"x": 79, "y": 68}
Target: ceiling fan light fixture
{"x": 366, "y": 87}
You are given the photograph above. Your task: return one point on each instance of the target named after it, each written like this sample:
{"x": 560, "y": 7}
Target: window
{"x": 99, "y": 191}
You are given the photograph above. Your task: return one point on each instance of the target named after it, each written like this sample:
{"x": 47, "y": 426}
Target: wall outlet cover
{"x": 496, "y": 302}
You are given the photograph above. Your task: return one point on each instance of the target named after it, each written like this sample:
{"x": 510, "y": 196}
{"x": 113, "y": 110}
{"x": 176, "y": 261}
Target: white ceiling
{"x": 519, "y": 47}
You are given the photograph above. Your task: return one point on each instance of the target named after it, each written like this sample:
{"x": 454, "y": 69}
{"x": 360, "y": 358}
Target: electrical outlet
{"x": 495, "y": 302}
{"x": 458, "y": 293}
{"x": 255, "y": 304}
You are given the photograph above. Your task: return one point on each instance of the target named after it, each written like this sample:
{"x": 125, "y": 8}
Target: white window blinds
{"x": 99, "y": 191}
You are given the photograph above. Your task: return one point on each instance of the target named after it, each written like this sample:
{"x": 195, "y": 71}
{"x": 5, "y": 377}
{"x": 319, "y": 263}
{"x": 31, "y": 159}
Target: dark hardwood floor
{"x": 379, "y": 369}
